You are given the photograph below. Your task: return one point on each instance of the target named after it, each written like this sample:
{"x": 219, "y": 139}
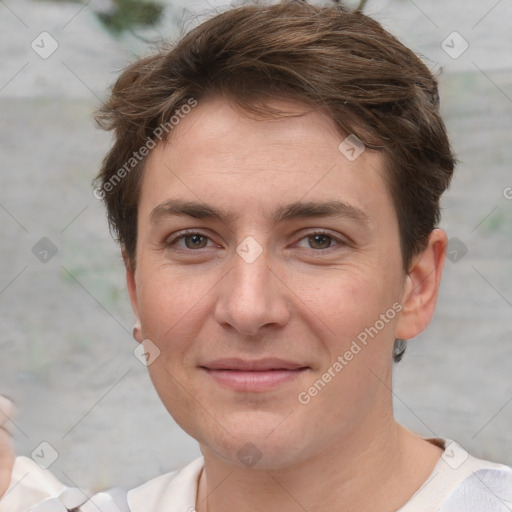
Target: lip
{"x": 253, "y": 376}
{"x": 268, "y": 363}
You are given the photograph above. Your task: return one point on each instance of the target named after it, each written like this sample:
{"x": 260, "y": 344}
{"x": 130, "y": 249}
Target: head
{"x": 274, "y": 184}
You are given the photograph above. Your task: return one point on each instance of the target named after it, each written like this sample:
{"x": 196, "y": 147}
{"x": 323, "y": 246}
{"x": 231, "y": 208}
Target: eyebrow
{"x": 292, "y": 211}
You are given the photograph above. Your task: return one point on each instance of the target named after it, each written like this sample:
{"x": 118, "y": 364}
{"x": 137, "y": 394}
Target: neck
{"x": 365, "y": 473}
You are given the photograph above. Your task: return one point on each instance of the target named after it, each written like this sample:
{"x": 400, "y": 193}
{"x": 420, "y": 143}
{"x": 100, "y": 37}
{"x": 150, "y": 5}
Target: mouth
{"x": 253, "y": 376}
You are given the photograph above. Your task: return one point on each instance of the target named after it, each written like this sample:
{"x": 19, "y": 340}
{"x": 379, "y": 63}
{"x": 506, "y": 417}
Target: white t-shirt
{"x": 458, "y": 483}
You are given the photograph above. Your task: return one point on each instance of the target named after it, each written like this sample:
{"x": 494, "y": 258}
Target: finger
{"x": 6, "y": 413}
{"x": 6, "y": 449}
{"x": 6, "y": 465}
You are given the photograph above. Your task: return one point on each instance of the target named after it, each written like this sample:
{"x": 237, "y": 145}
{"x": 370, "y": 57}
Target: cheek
{"x": 355, "y": 316}
{"x": 174, "y": 307}
{"x": 172, "y": 314}
{"x": 349, "y": 301}
{"x": 166, "y": 298}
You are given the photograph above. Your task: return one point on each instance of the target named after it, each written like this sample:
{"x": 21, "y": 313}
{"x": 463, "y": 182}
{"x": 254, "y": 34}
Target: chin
{"x": 259, "y": 441}
{"x": 259, "y": 454}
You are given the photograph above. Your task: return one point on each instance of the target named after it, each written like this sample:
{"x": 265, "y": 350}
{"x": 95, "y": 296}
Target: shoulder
{"x": 488, "y": 487}
{"x": 461, "y": 482}
{"x": 470, "y": 484}
{"x": 38, "y": 490}
{"x": 30, "y": 484}
{"x": 34, "y": 488}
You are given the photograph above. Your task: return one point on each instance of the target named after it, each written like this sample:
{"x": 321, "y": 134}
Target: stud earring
{"x": 399, "y": 349}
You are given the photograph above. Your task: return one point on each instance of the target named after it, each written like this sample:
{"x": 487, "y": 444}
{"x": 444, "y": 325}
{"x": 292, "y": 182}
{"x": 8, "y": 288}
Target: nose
{"x": 252, "y": 296}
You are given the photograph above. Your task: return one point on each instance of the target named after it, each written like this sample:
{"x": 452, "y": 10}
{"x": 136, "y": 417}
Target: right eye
{"x": 193, "y": 240}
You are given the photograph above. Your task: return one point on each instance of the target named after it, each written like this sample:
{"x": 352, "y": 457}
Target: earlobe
{"x": 421, "y": 287}
{"x": 132, "y": 291}
{"x": 137, "y": 332}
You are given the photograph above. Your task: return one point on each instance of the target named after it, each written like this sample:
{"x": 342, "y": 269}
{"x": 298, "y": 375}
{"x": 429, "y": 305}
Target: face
{"x": 269, "y": 276}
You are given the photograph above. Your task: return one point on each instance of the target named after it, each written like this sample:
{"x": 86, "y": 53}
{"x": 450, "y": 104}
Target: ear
{"x": 131, "y": 285}
{"x": 421, "y": 287}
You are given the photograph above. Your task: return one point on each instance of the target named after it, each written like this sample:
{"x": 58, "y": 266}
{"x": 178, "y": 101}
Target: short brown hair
{"x": 343, "y": 62}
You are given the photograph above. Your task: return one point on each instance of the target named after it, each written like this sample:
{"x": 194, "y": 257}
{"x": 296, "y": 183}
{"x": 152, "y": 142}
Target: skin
{"x": 303, "y": 298}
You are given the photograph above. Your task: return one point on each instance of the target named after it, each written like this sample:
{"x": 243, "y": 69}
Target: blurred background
{"x": 66, "y": 351}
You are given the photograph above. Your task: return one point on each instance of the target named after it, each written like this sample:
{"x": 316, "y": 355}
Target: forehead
{"x": 218, "y": 153}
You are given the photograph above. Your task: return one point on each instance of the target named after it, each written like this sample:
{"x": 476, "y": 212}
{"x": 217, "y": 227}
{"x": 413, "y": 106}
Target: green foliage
{"x": 63, "y": 1}
{"x": 129, "y": 14}
{"x": 360, "y": 6}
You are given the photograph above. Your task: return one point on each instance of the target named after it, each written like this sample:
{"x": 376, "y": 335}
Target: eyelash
{"x": 170, "y": 242}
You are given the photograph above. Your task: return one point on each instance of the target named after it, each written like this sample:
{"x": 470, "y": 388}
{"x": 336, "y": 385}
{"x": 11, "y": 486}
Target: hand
{"x": 6, "y": 447}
